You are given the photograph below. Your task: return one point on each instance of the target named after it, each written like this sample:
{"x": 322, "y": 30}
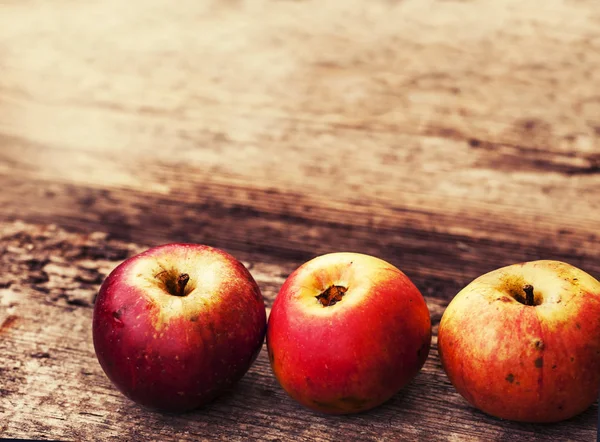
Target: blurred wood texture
{"x": 447, "y": 137}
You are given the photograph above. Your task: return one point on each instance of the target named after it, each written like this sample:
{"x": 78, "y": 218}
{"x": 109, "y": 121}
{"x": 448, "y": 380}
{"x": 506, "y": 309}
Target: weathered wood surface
{"x": 52, "y": 385}
{"x": 448, "y": 137}
{"x": 448, "y": 118}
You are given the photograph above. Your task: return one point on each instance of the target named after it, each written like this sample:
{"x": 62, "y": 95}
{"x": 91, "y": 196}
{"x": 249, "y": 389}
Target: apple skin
{"x": 176, "y": 353}
{"x": 519, "y": 362}
{"x": 356, "y": 354}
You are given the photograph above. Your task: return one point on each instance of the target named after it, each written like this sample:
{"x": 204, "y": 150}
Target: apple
{"x": 346, "y": 332}
{"x": 523, "y": 342}
{"x": 177, "y": 324}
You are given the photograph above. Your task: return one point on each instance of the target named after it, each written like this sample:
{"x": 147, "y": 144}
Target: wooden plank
{"x": 53, "y": 387}
{"x": 465, "y": 149}
{"x": 449, "y": 138}
{"x": 432, "y": 104}
{"x": 441, "y": 249}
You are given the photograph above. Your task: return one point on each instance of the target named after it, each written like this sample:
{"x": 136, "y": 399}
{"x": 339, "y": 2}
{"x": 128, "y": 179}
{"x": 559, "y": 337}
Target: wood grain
{"x": 381, "y": 100}
{"x": 478, "y": 135}
{"x": 447, "y": 137}
{"x": 53, "y": 387}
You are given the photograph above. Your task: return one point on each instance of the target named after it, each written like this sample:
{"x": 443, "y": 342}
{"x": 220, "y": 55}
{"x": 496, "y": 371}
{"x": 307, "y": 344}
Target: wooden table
{"x": 447, "y": 137}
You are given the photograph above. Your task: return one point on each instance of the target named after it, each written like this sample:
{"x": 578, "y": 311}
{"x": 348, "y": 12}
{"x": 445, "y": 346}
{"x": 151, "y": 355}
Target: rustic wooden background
{"x": 447, "y": 137}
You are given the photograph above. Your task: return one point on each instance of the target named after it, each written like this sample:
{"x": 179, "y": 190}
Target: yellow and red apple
{"x": 346, "y": 332}
{"x": 523, "y": 342}
{"x": 176, "y": 325}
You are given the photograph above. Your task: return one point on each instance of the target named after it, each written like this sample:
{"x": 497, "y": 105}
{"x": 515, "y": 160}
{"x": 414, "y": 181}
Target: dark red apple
{"x": 176, "y": 325}
{"x": 347, "y": 331}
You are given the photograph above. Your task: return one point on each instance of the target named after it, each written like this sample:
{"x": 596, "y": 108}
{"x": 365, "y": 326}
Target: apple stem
{"x": 529, "y": 299}
{"x": 182, "y": 282}
{"x": 332, "y": 295}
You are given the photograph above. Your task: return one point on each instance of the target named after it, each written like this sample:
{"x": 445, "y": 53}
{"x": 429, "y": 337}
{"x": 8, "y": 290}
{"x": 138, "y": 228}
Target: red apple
{"x": 177, "y": 324}
{"x": 523, "y": 342}
{"x": 346, "y": 332}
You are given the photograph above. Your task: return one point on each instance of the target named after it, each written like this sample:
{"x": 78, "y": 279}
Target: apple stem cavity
{"x": 182, "y": 282}
{"x": 529, "y": 299}
{"x": 332, "y": 295}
